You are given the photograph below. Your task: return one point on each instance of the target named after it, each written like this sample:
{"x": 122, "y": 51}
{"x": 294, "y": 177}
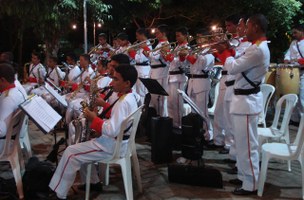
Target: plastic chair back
{"x": 290, "y": 102}
{"x": 11, "y": 143}
{"x": 267, "y": 91}
{"x": 132, "y": 120}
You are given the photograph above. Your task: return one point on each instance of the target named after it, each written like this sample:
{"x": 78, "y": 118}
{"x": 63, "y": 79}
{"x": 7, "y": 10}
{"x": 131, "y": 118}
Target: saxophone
{"x": 82, "y": 124}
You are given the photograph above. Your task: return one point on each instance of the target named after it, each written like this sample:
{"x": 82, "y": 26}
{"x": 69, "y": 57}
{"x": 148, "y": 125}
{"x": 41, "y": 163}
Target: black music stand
{"x": 154, "y": 87}
{"x": 53, "y": 155}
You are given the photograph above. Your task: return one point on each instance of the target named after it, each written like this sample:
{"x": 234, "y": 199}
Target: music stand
{"x": 59, "y": 99}
{"x": 56, "y": 95}
{"x": 192, "y": 104}
{"x": 154, "y": 87}
{"x": 41, "y": 113}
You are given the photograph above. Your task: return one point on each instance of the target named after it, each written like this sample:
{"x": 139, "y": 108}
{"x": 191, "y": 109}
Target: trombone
{"x": 136, "y": 46}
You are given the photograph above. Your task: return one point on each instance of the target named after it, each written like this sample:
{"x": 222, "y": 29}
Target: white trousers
{"x": 76, "y": 157}
{"x": 219, "y": 120}
{"x": 300, "y": 104}
{"x": 229, "y": 137}
{"x": 246, "y": 143}
{"x": 159, "y": 102}
{"x": 175, "y": 103}
{"x": 141, "y": 90}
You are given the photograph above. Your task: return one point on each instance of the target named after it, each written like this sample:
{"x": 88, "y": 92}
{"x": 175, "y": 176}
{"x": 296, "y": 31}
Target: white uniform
{"x": 199, "y": 85}
{"x": 103, "y": 53}
{"x": 55, "y": 76}
{"x": 142, "y": 65}
{"x": 76, "y": 157}
{"x": 246, "y": 108}
{"x": 219, "y": 119}
{"x": 229, "y": 138}
{"x": 36, "y": 72}
{"x": 10, "y": 99}
{"x": 74, "y": 73}
{"x": 293, "y": 55}
{"x": 159, "y": 71}
{"x": 74, "y": 106}
{"x": 176, "y": 80}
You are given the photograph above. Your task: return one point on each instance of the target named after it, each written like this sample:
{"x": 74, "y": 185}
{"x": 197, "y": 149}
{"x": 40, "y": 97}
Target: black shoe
{"x": 293, "y": 123}
{"x": 97, "y": 187}
{"x": 224, "y": 151}
{"x": 236, "y": 181}
{"x": 61, "y": 199}
{"x": 229, "y": 161}
{"x": 240, "y": 191}
{"x": 232, "y": 171}
{"x": 211, "y": 146}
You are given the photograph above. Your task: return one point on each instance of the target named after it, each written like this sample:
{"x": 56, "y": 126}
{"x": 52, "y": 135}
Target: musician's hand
{"x": 100, "y": 102}
{"x": 90, "y": 115}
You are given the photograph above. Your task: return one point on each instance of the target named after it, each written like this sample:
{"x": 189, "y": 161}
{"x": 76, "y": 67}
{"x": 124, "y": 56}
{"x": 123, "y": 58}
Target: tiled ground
{"x": 280, "y": 183}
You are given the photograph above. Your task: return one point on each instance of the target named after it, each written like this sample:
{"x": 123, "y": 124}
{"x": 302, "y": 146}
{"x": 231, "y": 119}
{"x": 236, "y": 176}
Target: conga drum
{"x": 270, "y": 77}
{"x": 287, "y": 79}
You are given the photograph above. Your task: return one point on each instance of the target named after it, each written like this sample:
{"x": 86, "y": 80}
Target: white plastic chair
{"x": 25, "y": 140}
{"x": 123, "y": 161}
{"x": 267, "y": 91}
{"x": 12, "y": 148}
{"x": 216, "y": 93}
{"x": 285, "y": 152}
{"x": 274, "y": 132}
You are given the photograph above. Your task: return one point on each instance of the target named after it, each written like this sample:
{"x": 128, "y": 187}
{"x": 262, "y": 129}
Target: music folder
{"x": 41, "y": 113}
{"x": 55, "y": 94}
{"x": 153, "y": 86}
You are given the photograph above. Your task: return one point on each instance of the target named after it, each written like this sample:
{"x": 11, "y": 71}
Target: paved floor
{"x": 280, "y": 183}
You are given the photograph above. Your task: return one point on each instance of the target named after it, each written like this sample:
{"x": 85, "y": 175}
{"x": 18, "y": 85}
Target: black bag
{"x": 8, "y": 189}
{"x": 37, "y": 177}
{"x": 195, "y": 175}
{"x": 192, "y": 136}
{"x": 161, "y": 146}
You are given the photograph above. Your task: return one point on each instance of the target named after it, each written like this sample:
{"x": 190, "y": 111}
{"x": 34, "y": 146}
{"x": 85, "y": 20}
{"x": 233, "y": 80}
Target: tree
{"x": 48, "y": 20}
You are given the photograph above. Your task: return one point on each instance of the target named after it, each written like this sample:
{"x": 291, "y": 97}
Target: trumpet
{"x": 209, "y": 37}
{"x": 163, "y": 49}
{"x": 137, "y": 45}
{"x": 203, "y": 49}
{"x": 94, "y": 49}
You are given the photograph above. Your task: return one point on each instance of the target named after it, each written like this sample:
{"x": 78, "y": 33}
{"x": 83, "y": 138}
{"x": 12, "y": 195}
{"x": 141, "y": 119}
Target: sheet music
{"x": 192, "y": 104}
{"x": 56, "y": 95}
{"x": 41, "y": 113}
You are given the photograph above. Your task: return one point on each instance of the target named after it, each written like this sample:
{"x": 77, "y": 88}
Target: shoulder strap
{"x": 299, "y": 50}
{"x": 34, "y": 66}
{"x": 250, "y": 82}
{"x": 104, "y": 112}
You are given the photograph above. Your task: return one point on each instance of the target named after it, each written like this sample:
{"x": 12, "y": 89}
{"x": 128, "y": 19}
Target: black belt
{"x": 197, "y": 75}
{"x": 224, "y": 73}
{"x": 142, "y": 64}
{"x": 175, "y": 72}
{"x": 3, "y": 138}
{"x": 229, "y": 83}
{"x": 158, "y": 66}
{"x": 247, "y": 91}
